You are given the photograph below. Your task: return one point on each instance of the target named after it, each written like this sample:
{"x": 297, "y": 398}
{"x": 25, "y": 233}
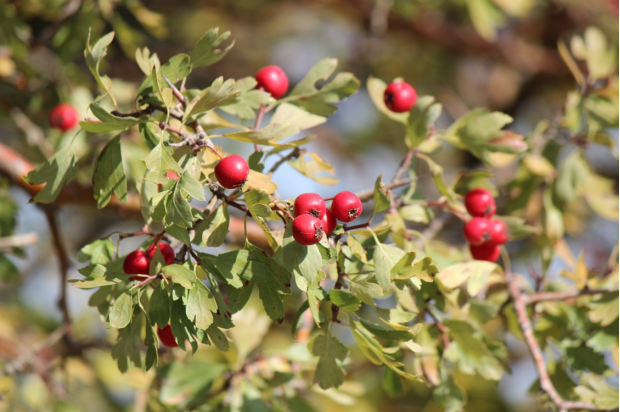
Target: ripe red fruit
{"x": 166, "y": 337}
{"x": 329, "y": 222}
{"x": 399, "y": 97}
{"x": 166, "y": 251}
{"x": 172, "y": 175}
{"x": 273, "y": 80}
{"x": 498, "y": 232}
{"x": 307, "y": 229}
{"x": 476, "y": 231}
{"x": 487, "y": 251}
{"x": 136, "y": 263}
{"x": 63, "y": 117}
{"x": 479, "y": 202}
{"x": 232, "y": 171}
{"x": 346, "y": 206}
{"x": 310, "y": 203}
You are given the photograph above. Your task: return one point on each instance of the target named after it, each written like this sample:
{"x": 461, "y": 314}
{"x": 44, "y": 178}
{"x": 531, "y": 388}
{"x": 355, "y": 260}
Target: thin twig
{"x": 337, "y": 286}
{"x": 367, "y": 195}
{"x": 9, "y": 242}
{"x": 568, "y": 294}
{"x": 63, "y": 261}
{"x": 294, "y": 154}
{"x": 404, "y": 165}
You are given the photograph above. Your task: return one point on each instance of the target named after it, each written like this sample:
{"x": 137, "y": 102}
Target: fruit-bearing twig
{"x": 294, "y": 154}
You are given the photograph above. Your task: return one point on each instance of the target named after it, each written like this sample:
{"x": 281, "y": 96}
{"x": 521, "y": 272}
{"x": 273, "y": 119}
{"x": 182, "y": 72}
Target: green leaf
{"x": 206, "y": 53}
{"x": 187, "y": 383}
{"x": 56, "y": 172}
{"x": 214, "y": 228}
{"x": 384, "y": 258}
{"x": 238, "y": 267}
{"x": 8, "y": 270}
{"x": 157, "y": 163}
{"x": 303, "y": 261}
{"x": 328, "y": 374}
{"x": 298, "y": 118}
{"x": 257, "y": 202}
{"x": 345, "y": 300}
{"x": 416, "y": 213}
{"x": 100, "y": 251}
{"x": 259, "y": 181}
{"x": 219, "y": 93}
{"x": 476, "y": 273}
{"x": 218, "y": 338}
{"x": 365, "y": 290}
{"x": 248, "y": 100}
{"x": 191, "y": 187}
{"x": 471, "y": 179}
{"x": 109, "y": 174}
{"x": 96, "y": 276}
{"x": 381, "y": 197}
{"x": 604, "y": 310}
{"x": 314, "y": 167}
{"x": 94, "y": 54}
{"x": 121, "y": 311}
{"x": 181, "y": 275}
{"x": 392, "y": 384}
{"x": 423, "y": 114}
{"x": 406, "y": 269}
{"x": 384, "y": 332}
{"x": 159, "y": 306}
{"x": 200, "y": 304}
{"x": 179, "y": 211}
{"x": 110, "y": 123}
{"x": 268, "y": 135}
{"x": 449, "y": 394}
{"x": 480, "y": 132}
{"x": 595, "y": 389}
{"x": 238, "y": 298}
{"x": 320, "y": 101}
{"x": 129, "y": 345}
{"x": 298, "y": 319}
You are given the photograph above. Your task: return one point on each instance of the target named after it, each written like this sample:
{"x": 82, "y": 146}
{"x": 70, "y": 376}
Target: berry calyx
{"x": 166, "y": 337}
{"x": 310, "y": 203}
{"x": 273, "y": 80}
{"x": 63, "y": 117}
{"x": 329, "y": 222}
{"x": 480, "y": 203}
{"x": 498, "y": 232}
{"x": 399, "y": 97}
{"x": 346, "y": 206}
{"x": 476, "y": 231}
{"x": 136, "y": 263}
{"x": 166, "y": 251}
{"x": 307, "y": 229}
{"x": 232, "y": 171}
{"x": 486, "y": 251}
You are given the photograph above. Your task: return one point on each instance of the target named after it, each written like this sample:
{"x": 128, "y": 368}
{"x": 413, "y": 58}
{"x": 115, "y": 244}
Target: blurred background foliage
{"x": 498, "y": 54}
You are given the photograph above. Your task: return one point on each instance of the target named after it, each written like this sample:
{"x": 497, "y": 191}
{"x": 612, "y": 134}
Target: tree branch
{"x": 568, "y": 294}
{"x": 520, "y": 304}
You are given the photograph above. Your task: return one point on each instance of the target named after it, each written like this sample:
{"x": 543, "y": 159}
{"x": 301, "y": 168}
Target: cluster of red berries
{"x": 483, "y": 233}
{"x": 312, "y": 218}
{"x": 139, "y": 261}
{"x": 63, "y": 117}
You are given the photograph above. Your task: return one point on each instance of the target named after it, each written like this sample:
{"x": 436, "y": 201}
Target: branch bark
{"x": 563, "y": 295}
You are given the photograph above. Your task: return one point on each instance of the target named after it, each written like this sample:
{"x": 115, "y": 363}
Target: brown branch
{"x": 63, "y": 261}
{"x": 568, "y": 294}
{"x": 294, "y": 154}
{"x": 337, "y": 286}
{"x": 404, "y": 165}
{"x": 520, "y": 305}
{"x": 442, "y": 328}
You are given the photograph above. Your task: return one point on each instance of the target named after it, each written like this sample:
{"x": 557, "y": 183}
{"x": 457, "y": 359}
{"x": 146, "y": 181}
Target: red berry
{"x": 346, "y": 206}
{"x": 498, "y": 232}
{"x": 310, "y": 203}
{"x": 479, "y": 202}
{"x": 232, "y": 171}
{"x": 329, "y": 222}
{"x": 172, "y": 175}
{"x": 166, "y": 337}
{"x": 307, "y": 229}
{"x": 136, "y": 263}
{"x": 476, "y": 231}
{"x": 400, "y": 97}
{"x": 487, "y": 251}
{"x": 273, "y": 80}
{"x": 166, "y": 251}
{"x": 63, "y": 117}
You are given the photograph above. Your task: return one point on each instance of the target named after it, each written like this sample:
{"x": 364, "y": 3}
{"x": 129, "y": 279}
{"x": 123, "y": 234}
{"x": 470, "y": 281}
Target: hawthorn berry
{"x": 480, "y": 203}
{"x": 307, "y": 229}
{"x": 329, "y": 222}
{"x": 136, "y": 263}
{"x": 166, "y": 251}
{"x": 399, "y": 97}
{"x": 498, "y": 232}
{"x": 273, "y": 80}
{"x": 486, "y": 251}
{"x": 63, "y": 117}
{"x": 232, "y": 171}
{"x": 166, "y": 337}
{"x": 476, "y": 231}
{"x": 346, "y": 206}
{"x": 310, "y": 203}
